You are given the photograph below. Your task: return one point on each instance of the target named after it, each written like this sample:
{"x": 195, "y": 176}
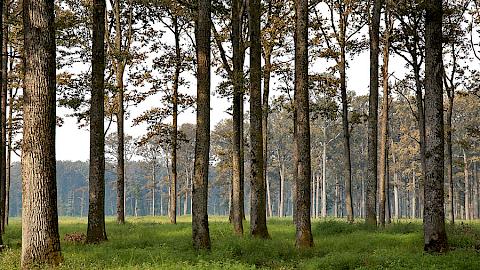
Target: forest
{"x": 240, "y": 134}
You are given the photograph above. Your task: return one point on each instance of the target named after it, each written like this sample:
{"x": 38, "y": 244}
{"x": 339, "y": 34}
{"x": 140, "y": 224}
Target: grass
{"x": 152, "y": 243}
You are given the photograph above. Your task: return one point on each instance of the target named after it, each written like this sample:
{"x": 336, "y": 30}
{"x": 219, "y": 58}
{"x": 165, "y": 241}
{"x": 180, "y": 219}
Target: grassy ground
{"x": 152, "y": 243}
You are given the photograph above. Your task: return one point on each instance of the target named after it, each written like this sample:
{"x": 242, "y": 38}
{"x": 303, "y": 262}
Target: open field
{"x": 152, "y": 243}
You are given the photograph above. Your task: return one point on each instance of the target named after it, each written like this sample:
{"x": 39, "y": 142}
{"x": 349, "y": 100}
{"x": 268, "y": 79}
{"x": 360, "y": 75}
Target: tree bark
{"x": 200, "y": 230}
{"x": 384, "y": 132}
{"x": 96, "y": 211}
{"x": 40, "y": 237}
{"x": 176, "y": 77}
{"x": 281, "y": 212}
{"x": 120, "y": 69}
{"x": 237, "y": 139}
{"x": 2, "y": 147}
{"x": 467, "y": 186}
{"x": 434, "y": 216}
{"x": 371, "y": 213}
{"x": 324, "y": 171}
{"x": 258, "y": 220}
{"x": 3, "y": 119}
{"x": 304, "y": 238}
{"x": 449, "y": 154}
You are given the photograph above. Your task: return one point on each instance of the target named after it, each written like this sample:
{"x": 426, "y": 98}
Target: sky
{"x": 72, "y": 143}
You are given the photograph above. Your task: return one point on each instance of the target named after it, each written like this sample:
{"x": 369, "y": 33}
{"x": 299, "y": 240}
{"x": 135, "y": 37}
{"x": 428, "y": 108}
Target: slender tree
{"x": 258, "y": 218}
{"x": 200, "y": 231}
{"x": 384, "y": 168}
{"x": 371, "y": 204}
{"x": 238, "y": 59}
{"x": 304, "y": 237}
{"x": 96, "y": 211}
{"x": 40, "y": 238}
{"x": 3, "y": 118}
{"x": 434, "y": 216}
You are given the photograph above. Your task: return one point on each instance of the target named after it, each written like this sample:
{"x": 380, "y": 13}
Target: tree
{"x": 434, "y": 216}
{"x": 258, "y": 219}
{"x": 346, "y": 20}
{"x": 3, "y": 184}
{"x": 96, "y": 211}
{"x": 237, "y": 138}
{"x": 200, "y": 231}
{"x": 40, "y": 238}
{"x": 371, "y": 204}
{"x": 453, "y": 78}
{"x": 304, "y": 237}
{"x": 384, "y": 166}
{"x": 3, "y": 118}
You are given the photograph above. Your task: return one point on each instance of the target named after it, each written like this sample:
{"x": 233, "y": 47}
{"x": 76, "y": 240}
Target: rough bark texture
{"x": 258, "y": 218}
{"x": 304, "y": 237}
{"x": 237, "y": 196}
{"x": 6, "y": 132}
{"x": 265, "y": 108}
{"x": 200, "y": 231}
{"x": 119, "y": 71}
{"x": 434, "y": 217}
{"x": 40, "y": 238}
{"x": 371, "y": 204}
{"x": 2, "y": 146}
{"x": 96, "y": 211}
{"x": 3, "y": 118}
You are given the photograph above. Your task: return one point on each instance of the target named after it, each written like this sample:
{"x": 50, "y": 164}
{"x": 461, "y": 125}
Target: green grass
{"x": 152, "y": 243}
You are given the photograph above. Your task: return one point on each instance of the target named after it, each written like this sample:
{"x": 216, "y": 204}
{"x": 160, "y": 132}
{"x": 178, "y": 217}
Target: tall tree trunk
{"x": 345, "y": 122}
{"x": 475, "y": 191}
{"x": 371, "y": 217}
{"x": 317, "y": 196}
{"x": 258, "y": 220}
{"x": 467, "y": 185}
{"x": 384, "y": 132}
{"x": 119, "y": 70}
{"x": 282, "y": 190}
{"x": 176, "y": 77}
{"x": 434, "y": 216}
{"x": 414, "y": 194}
{"x": 395, "y": 184}
{"x": 324, "y": 171}
{"x": 269, "y": 197}
{"x": 265, "y": 110}
{"x": 96, "y": 211}
{"x": 449, "y": 160}
{"x": 2, "y": 148}
{"x": 200, "y": 231}
{"x": 337, "y": 193}
{"x": 3, "y": 118}
{"x": 40, "y": 237}
{"x": 304, "y": 238}
{"x": 154, "y": 185}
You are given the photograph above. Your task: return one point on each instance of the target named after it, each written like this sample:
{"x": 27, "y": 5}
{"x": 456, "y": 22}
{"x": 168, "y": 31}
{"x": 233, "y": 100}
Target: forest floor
{"x": 152, "y": 243}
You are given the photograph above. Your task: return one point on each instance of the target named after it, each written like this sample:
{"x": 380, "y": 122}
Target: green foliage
{"x": 153, "y": 243}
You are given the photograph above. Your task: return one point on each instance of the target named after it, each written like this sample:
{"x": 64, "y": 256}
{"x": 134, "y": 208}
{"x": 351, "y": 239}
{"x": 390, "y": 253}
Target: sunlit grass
{"x": 153, "y": 243}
